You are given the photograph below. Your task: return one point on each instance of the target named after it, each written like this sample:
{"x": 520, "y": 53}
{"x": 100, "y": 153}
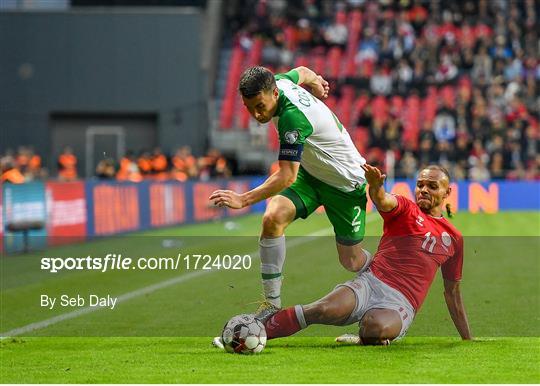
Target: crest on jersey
{"x": 446, "y": 239}
{"x": 291, "y": 136}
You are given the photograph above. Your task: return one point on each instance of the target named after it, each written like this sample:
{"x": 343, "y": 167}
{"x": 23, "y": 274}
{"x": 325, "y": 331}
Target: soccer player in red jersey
{"x": 417, "y": 239}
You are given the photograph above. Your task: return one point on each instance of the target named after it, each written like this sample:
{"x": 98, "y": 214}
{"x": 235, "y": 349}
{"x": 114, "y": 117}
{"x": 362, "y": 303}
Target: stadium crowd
{"x": 25, "y": 166}
{"x": 454, "y": 83}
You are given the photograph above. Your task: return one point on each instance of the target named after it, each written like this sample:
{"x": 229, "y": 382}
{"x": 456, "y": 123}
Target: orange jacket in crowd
{"x": 35, "y": 163}
{"x": 13, "y": 176}
{"x": 128, "y": 171}
{"x": 67, "y": 166}
{"x": 183, "y": 167}
{"x": 159, "y": 167}
{"x": 145, "y": 164}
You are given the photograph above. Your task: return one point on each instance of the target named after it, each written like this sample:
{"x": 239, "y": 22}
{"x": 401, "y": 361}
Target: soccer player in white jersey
{"x": 318, "y": 165}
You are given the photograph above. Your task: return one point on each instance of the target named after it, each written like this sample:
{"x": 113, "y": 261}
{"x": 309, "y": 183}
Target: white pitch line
{"x": 152, "y": 288}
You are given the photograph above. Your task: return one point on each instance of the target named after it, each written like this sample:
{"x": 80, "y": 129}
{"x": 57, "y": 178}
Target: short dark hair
{"x": 256, "y": 79}
{"x": 441, "y": 169}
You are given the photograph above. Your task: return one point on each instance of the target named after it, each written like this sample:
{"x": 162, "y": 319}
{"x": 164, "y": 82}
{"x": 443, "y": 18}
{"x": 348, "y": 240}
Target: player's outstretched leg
{"x": 278, "y": 215}
{"x": 333, "y": 309}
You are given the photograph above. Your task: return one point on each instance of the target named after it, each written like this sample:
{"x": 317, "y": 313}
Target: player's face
{"x": 432, "y": 188}
{"x": 262, "y": 106}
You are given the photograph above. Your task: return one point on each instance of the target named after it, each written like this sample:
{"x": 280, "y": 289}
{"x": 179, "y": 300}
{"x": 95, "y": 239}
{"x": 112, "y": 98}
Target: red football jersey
{"x": 414, "y": 244}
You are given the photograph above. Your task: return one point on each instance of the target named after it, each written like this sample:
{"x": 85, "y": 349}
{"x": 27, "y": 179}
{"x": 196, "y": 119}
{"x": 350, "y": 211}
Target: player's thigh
{"x": 303, "y": 194}
{"x": 379, "y": 324}
{"x": 334, "y": 308}
{"x": 280, "y": 211}
{"x": 347, "y": 213}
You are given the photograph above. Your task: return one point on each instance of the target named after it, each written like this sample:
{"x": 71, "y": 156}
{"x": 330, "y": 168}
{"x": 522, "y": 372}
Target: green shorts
{"x": 346, "y": 210}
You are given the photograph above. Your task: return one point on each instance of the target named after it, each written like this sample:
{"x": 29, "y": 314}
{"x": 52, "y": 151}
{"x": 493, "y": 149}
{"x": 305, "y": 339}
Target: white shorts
{"x": 373, "y": 293}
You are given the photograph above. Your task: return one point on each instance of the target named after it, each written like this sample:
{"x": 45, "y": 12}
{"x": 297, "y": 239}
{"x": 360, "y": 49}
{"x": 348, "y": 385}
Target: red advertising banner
{"x": 167, "y": 204}
{"x": 116, "y": 209}
{"x": 66, "y": 212}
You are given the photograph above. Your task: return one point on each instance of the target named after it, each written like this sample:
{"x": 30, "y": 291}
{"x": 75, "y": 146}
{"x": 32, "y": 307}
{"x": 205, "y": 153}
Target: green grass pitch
{"x": 161, "y": 329}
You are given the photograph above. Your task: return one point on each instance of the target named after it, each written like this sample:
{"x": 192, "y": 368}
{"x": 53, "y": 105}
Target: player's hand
{"x": 320, "y": 87}
{"x": 374, "y": 176}
{"x": 227, "y": 198}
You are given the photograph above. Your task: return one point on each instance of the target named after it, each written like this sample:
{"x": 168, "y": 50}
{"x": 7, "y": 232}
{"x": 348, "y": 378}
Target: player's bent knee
{"x": 376, "y": 331}
{"x": 274, "y": 221}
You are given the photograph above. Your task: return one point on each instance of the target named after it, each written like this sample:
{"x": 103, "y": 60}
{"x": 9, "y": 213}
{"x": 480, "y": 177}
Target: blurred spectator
{"x": 407, "y": 166}
{"x": 496, "y": 167}
{"x": 128, "y": 170}
{"x": 404, "y": 77}
{"x": 184, "y": 165}
{"x": 381, "y": 82}
{"x": 336, "y": 33}
{"x": 426, "y": 154}
{"x": 160, "y": 165}
{"x": 105, "y": 169}
{"x": 213, "y": 165}
{"x": 67, "y": 165}
{"x": 144, "y": 163}
{"x": 444, "y": 126}
{"x": 29, "y": 163}
{"x": 479, "y": 172}
{"x": 10, "y": 172}
{"x": 34, "y": 169}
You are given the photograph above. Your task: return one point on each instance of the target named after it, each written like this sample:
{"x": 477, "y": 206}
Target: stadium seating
{"x": 418, "y": 47}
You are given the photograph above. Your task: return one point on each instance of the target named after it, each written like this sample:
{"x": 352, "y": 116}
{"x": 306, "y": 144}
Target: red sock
{"x": 283, "y": 323}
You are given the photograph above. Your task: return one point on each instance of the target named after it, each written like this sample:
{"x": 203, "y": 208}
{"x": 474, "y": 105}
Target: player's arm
{"x": 281, "y": 179}
{"x": 383, "y": 201}
{"x": 454, "y": 302}
{"x": 319, "y": 86}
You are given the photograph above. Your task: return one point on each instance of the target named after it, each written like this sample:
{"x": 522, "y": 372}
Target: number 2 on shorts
{"x": 356, "y": 222}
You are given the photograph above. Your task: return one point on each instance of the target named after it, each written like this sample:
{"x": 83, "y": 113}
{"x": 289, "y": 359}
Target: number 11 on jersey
{"x": 431, "y": 240}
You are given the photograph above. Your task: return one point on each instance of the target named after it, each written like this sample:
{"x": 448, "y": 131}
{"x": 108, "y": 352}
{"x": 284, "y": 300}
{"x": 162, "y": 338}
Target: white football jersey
{"x": 328, "y": 152}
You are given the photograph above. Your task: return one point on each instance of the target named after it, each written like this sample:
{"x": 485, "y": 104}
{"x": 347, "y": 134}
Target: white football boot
{"x": 350, "y": 339}
{"x": 353, "y": 339}
{"x": 217, "y": 342}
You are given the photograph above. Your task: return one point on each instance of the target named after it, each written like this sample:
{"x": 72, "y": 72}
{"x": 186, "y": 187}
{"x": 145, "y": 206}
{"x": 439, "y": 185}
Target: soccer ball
{"x": 244, "y": 334}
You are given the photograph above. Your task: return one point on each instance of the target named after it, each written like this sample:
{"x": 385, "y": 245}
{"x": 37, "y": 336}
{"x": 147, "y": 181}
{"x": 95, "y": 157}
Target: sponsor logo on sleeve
{"x": 289, "y": 152}
{"x": 291, "y": 136}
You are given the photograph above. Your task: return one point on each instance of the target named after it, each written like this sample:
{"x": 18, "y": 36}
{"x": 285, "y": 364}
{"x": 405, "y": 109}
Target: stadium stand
{"x": 431, "y": 81}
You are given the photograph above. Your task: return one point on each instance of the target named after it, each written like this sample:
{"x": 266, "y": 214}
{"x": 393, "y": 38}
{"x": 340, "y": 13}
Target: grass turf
{"x": 501, "y": 291}
{"x": 293, "y": 360}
